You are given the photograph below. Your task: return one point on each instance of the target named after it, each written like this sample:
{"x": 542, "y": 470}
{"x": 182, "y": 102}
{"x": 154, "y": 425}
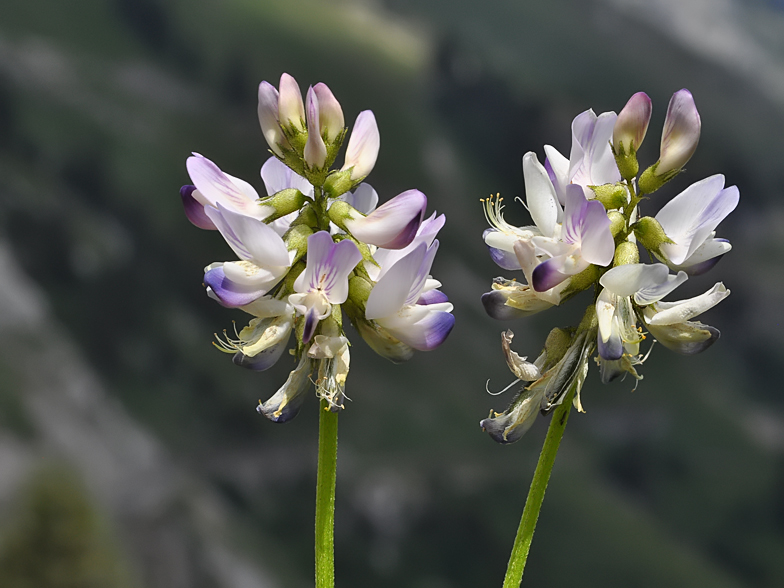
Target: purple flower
{"x": 585, "y": 239}
{"x": 324, "y": 281}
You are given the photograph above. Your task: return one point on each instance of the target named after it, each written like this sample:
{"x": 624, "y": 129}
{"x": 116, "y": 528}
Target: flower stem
{"x": 325, "y": 497}
{"x": 525, "y": 532}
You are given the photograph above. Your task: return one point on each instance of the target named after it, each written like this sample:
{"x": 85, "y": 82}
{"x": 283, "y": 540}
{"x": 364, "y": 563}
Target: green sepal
{"x": 617, "y": 222}
{"x": 340, "y": 211}
{"x": 284, "y": 202}
{"x": 556, "y": 345}
{"x": 296, "y": 239}
{"x": 625, "y": 253}
{"x": 626, "y": 162}
{"x": 612, "y": 196}
{"x": 337, "y": 183}
{"x": 582, "y": 281}
{"x": 650, "y": 234}
{"x": 650, "y": 182}
{"x": 359, "y": 289}
{"x": 307, "y": 217}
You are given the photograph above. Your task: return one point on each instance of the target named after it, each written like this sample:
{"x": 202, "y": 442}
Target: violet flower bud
{"x": 632, "y": 124}
{"x": 330, "y": 113}
{"x": 363, "y": 146}
{"x": 681, "y": 133}
{"x": 291, "y": 110}
{"x": 315, "y": 153}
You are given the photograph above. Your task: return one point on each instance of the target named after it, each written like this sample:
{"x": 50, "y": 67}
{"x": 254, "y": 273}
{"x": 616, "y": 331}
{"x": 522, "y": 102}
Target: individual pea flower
{"x": 324, "y": 281}
{"x": 629, "y": 132}
{"x": 591, "y": 161}
{"x": 689, "y": 220}
{"x": 681, "y": 134}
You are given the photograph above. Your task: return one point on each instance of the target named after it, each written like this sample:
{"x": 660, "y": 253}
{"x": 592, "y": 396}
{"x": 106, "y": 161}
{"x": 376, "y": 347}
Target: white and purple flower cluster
{"x": 586, "y": 232}
{"x": 317, "y": 245}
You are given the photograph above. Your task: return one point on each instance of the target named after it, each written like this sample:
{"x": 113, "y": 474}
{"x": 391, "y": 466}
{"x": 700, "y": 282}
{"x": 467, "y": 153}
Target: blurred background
{"x": 131, "y": 454}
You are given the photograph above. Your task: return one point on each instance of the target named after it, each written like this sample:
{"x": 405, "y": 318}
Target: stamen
{"x": 487, "y": 388}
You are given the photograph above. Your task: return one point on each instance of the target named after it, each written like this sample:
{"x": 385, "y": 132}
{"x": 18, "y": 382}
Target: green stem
{"x": 325, "y": 497}
{"x": 525, "y": 532}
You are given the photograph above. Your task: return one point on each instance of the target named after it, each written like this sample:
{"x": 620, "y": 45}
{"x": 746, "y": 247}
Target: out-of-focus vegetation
{"x": 679, "y": 483}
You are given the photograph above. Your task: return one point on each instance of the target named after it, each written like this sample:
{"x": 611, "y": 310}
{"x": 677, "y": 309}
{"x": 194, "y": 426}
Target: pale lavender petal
{"x": 268, "y": 118}
{"x": 364, "y": 198}
{"x": 598, "y": 245}
{"x": 315, "y": 153}
{"x": 681, "y": 132}
{"x": 390, "y": 292}
{"x": 330, "y": 112}
{"x": 363, "y": 146}
{"x": 421, "y": 277}
{"x": 540, "y": 195}
{"x": 229, "y": 293}
{"x": 611, "y": 349}
{"x": 432, "y": 297}
{"x": 495, "y": 306}
{"x": 424, "y": 329}
{"x": 319, "y": 248}
{"x": 264, "y": 245}
{"x": 575, "y": 211}
{"x": 632, "y": 123}
{"x": 394, "y": 224}
{"x": 557, "y": 167}
{"x": 505, "y": 259}
{"x": 277, "y": 176}
{"x": 264, "y": 359}
{"x": 706, "y": 256}
{"x": 228, "y": 233}
{"x": 383, "y": 343}
{"x": 548, "y": 274}
{"x": 291, "y": 110}
{"x": 217, "y": 187}
{"x": 582, "y": 131}
{"x": 311, "y": 322}
{"x": 343, "y": 259}
{"x": 687, "y": 338}
{"x": 194, "y": 209}
{"x": 601, "y": 165}
{"x": 627, "y": 280}
{"x": 654, "y": 293}
{"x": 691, "y": 217}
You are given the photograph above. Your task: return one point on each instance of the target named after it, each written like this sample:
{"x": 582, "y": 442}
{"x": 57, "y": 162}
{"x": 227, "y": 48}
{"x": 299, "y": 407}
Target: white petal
{"x": 390, "y": 293}
{"x": 278, "y": 176}
{"x": 669, "y": 313}
{"x": 540, "y": 195}
{"x": 264, "y": 245}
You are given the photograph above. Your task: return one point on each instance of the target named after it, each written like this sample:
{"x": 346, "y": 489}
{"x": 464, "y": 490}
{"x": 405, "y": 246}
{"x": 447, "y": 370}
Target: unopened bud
{"x": 626, "y": 252}
{"x": 291, "y": 110}
{"x": 363, "y": 146}
{"x": 617, "y": 222}
{"x": 681, "y": 133}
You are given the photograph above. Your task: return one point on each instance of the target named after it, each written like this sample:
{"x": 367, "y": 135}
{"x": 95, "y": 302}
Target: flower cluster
{"x": 317, "y": 245}
{"x": 587, "y": 228}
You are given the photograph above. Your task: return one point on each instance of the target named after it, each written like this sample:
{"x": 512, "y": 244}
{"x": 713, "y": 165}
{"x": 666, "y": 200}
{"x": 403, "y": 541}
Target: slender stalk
{"x": 525, "y": 532}
{"x": 325, "y": 497}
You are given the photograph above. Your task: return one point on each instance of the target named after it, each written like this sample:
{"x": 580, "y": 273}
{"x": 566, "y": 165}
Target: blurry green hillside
{"x": 678, "y": 484}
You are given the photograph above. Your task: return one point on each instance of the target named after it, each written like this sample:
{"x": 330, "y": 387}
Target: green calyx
{"x": 650, "y": 182}
{"x": 340, "y": 212}
{"x": 296, "y": 239}
{"x": 617, "y": 222}
{"x": 625, "y": 253}
{"x": 359, "y": 290}
{"x": 650, "y": 234}
{"x": 612, "y": 196}
{"x": 556, "y": 345}
{"x": 337, "y": 183}
{"x": 284, "y": 202}
{"x": 626, "y": 161}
